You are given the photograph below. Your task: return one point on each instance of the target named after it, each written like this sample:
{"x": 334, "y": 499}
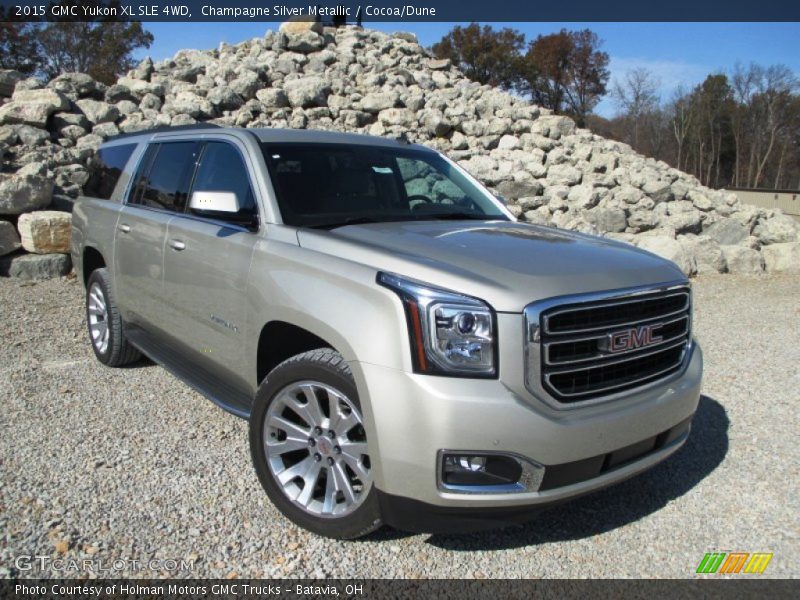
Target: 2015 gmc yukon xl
{"x": 405, "y": 351}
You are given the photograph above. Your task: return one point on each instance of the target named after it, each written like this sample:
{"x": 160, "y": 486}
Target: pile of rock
{"x": 349, "y": 79}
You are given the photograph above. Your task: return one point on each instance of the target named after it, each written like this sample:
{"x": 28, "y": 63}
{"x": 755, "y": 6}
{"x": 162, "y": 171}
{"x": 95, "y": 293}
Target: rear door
{"x": 159, "y": 191}
{"x": 207, "y": 264}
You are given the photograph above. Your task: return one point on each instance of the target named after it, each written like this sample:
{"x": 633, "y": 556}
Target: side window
{"x": 222, "y": 169}
{"x": 105, "y": 169}
{"x": 165, "y": 175}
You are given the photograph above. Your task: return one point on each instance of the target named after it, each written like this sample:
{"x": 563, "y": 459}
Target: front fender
{"x": 335, "y": 299}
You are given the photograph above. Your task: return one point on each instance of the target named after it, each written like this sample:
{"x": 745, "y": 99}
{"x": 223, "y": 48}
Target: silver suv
{"x": 405, "y": 351}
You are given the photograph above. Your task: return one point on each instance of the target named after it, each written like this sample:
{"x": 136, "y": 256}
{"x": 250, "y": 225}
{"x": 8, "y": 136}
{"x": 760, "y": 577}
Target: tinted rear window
{"x": 165, "y": 176}
{"x": 105, "y": 169}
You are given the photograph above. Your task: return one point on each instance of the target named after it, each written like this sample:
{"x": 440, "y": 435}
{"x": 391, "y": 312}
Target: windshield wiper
{"x": 456, "y": 216}
{"x": 348, "y": 221}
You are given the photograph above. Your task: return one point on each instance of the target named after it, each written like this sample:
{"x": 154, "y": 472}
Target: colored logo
{"x": 734, "y": 562}
{"x": 631, "y": 339}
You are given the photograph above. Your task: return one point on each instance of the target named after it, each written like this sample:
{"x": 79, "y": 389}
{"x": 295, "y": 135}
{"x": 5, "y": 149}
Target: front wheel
{"x": 309, "y": 446}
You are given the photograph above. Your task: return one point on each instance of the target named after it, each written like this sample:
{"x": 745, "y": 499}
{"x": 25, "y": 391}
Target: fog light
{"x": 476, "y": 473}
{"x": 477, "y": 469}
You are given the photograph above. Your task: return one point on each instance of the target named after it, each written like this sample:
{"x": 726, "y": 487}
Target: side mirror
{"x": 219, "y": 202}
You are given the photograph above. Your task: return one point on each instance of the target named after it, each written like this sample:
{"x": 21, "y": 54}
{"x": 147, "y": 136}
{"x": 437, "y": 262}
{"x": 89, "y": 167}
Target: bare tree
{"x": 774, "y": 99}
{"x": 681, "y": 114}
{"x": 743, "y": 84}
{"x": 637, "y": 97}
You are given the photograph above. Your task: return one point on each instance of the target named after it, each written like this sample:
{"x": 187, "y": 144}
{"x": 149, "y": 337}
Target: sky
{"x": 676, "y": 53}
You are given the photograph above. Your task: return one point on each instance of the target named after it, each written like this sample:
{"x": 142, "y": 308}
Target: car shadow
{"x": 612, "y": 507}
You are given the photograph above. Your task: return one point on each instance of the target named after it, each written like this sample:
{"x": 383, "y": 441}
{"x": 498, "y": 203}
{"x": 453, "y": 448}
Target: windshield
{"x": 330, "y": 185}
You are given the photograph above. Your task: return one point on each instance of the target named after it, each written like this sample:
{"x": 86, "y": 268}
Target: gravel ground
{"x": 131, "y": 464}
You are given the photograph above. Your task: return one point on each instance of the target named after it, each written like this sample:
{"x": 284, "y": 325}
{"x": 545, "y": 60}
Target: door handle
{"x": 124, "y": 228}
{"x": 177, "y": 245}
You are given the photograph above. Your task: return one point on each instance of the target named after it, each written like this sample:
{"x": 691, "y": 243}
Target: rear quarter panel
{"x": 94, "y": 223}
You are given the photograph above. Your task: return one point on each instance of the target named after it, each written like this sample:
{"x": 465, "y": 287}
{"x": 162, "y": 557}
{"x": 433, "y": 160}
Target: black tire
{"x": 326, "y": 366}
{"x": 118, "y": 351}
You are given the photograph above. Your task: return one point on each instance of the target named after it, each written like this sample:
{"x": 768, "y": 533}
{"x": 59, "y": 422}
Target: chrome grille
{"x": 589, "y": 347}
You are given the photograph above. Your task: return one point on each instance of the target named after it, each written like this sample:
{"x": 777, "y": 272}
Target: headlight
{"x": 450, "y": 334}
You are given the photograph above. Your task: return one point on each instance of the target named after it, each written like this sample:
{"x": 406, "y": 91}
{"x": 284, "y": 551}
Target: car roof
{"x": 268, "y": 135}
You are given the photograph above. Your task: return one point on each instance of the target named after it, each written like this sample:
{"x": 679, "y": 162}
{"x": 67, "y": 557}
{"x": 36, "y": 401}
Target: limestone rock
{"x": 24, "y": 192}
{"x": 741, "y": 259}
{"x": 45, "y": 232}
{"x": 670, "y": 249}
{"x": 301, "y": 25}
{"x": 307, "y": 91}
{"x": 32, "y": 107}
{"x": 782, "y": 257}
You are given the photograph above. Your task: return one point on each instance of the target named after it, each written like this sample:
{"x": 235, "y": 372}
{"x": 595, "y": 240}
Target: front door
{"x": 207, "y": 265}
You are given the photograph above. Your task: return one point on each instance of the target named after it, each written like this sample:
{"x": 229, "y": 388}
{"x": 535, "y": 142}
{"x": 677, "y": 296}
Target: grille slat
{"x": 600, "y": 347}
{"x": 637, "y": 311}
{"x": 585, "y": 349}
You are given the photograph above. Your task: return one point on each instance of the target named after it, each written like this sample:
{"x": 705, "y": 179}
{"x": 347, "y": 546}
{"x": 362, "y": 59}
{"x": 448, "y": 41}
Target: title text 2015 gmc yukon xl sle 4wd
{"x": 405, "y": 351}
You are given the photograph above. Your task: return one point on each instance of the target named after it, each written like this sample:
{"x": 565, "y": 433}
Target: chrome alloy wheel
{"x": 98, "y": 318}
{"x": 316, "y": 449}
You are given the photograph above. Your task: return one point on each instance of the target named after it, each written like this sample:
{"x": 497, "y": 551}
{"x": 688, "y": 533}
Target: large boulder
{"x": 782, "y": 257}
{"x": 305, "y": 42}
{"x": 778, "y": 229}
{"x": 35, "y": 266}
{"x": 400, "y": 117}
{"x": 301, "y": 25}
{"x": 435, "y": 123}
{"x": 272, "y": 98}
{"x": 45, "y": 232}
{"x": 607, "y": 220}
{"x": 727, "y": 232}
{"x": 671, "y": 249}
{"x": 190, "y": 104}
{"x": 225, "y": 98}
{"x": 707, "y": 254}
{"x": 377, "y": 101}
{"x": 77, "y": 85}
{"x": 33, "y": 107}
{"x": 307, "y": 92}
{"x": 25, "y": 191}
{"x": 742, "y": 259}
{"x": 98, "y": 112}
{"x": 9, "y": 238}
{"x": 563, "y": 174}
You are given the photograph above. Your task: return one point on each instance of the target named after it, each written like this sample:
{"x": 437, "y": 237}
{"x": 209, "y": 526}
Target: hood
{"x": 504, "y": 263}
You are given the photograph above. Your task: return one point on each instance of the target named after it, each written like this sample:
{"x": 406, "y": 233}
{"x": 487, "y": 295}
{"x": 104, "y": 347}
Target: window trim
{"x": 144, "y": 166}
{"x": 98, "y": 156}
{"x": 222, "y": 222}
{"x": 130, "y": 189}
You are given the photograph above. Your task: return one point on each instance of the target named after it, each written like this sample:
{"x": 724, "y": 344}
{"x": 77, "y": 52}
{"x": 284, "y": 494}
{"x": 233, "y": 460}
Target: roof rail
{"x": 165, "y": 129}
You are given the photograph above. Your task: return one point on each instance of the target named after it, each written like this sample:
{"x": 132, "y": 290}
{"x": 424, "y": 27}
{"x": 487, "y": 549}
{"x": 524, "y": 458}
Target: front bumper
{"x": 410, "y": 418}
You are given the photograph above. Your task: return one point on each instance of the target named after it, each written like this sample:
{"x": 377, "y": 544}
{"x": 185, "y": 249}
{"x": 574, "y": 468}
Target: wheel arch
{"x": 279, "y": 340}
{"x": 91, "y": 260}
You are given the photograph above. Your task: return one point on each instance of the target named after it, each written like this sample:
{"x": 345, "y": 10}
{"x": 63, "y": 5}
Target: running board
{"x": 168, "y": 356}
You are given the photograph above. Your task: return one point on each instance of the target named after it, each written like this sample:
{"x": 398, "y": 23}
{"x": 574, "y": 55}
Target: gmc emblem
{"x": 631, "y": 339}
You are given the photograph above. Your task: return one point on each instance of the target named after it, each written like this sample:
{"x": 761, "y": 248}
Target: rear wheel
{"x": 309, "y": 446}
{"x": 105, "y": 324}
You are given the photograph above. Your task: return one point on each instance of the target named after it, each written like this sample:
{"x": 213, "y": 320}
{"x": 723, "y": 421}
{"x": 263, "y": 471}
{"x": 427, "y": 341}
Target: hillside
{"x": 370, "y": 82}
